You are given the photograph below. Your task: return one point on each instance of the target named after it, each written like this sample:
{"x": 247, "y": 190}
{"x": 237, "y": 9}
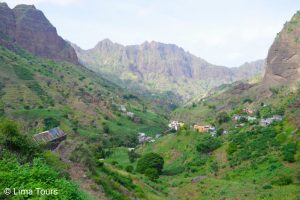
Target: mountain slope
{"x": 27, "y": 27}
{"x": 160, "y": 67}
{"x": 283, "y": 61}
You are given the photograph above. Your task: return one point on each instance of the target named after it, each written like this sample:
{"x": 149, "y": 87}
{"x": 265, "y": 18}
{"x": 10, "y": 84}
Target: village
{"x": 248, "y": 116}
{"x": 51, "y": 138}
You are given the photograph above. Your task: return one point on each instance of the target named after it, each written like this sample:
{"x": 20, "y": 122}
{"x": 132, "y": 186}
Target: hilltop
{"x": 28, "y": 27}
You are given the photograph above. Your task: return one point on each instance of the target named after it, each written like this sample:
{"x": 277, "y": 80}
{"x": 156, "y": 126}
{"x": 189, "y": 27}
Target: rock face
{"x": 30, "y": 29}
{"x": 283, "y": 61}
{"x": 161, "y": 67}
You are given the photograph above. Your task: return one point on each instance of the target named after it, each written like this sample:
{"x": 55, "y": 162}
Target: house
{"x": 270, "y": 120}
{"x": 175, "y": 125}
{"x": 202, "y": 129}
{"x": 143, "y": 138}
{"x": 237, "y": 117}
{"x": 130, "y": 114}
{"x": 123, "y": 108}
{"x": 277, "y": 118}
{"x": 157, "y": 135}
{"x": 266, "y": 122}
{"x": 251, "y": 119}
{"x": 50, "y": 138}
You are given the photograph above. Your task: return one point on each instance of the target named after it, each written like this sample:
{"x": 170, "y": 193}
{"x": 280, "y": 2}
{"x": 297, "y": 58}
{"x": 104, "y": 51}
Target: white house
{"x": 142, "y": 138}
{"x": 270, "y": 120}
{"x": 174, "y": 125}
{"x": 123, "y": 108}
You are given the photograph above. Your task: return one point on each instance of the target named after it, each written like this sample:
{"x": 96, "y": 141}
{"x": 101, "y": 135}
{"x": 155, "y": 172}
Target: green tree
{"x": 152, "y": 174}
{"x": 222, "y": 117}
{"x": 129, "y": 168}
{"x": 289, "y": 151}
{"x": 50, "y": 123}
{"x": 150, "y": 160}
{"x": 208, "y": 144}
{"x": 214, "y": 167}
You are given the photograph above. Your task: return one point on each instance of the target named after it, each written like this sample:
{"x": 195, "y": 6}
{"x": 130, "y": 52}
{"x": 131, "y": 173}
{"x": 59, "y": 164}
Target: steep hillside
{"x": 161, "y": 67}
{"x": 40, "y": 94}
{"x": 27, "y": 27}
{"x": 283, "y": 61}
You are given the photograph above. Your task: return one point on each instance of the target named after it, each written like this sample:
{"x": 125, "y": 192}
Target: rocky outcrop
{"x": 162, "y": 67}
{"x": 283, "y": 61}
{"x": 28, "y": 27}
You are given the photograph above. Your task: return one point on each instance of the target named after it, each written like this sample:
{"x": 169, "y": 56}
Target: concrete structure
{"x": 143, "y": 138}
{"x": 270, "y": 120}
{"x": 202, "y": 129}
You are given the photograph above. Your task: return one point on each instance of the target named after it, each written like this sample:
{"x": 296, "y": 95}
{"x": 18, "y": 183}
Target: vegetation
{"x": 151, "y": 165}
{"x": 22, "y": 166}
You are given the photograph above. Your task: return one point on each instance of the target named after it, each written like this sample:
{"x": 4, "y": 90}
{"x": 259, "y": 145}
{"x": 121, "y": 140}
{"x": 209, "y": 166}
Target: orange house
{"x": 201, "y": 129}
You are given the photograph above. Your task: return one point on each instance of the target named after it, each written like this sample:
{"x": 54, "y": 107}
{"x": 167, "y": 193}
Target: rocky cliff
{"x": 161, "y": 67}
{"x": 28, "y": 27}
{"x": 283, "y": 61}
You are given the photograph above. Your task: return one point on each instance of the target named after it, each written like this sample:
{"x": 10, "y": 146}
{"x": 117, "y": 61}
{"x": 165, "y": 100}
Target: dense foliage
{"x": 152, "y": 163}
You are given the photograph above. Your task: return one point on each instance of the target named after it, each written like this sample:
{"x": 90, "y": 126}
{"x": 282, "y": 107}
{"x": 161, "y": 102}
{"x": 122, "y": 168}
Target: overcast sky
{"x": 223, "y": 32}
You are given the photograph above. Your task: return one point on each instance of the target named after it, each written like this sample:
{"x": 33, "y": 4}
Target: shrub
{"x": 247, "y": 100}
{"x": 267, "y": 186}
{"x": 289, "y": 151}
{"x": 214, "y": 167}
{"x": 283, "y": 180}
{"x": 150, "y": 160}
{"x": 12, "y": 139}
{"x": 114, "y": 163}
{"x": 132, "y": 155}
{"x": 50, "y": 123}
{"x": 152, "y": 174}
{"x": 222, "y": 117}
{"x": 208, "y": 144}
{"x": 129, "y": 168}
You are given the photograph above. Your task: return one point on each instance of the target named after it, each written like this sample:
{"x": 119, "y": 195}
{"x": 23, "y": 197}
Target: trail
{"x": 78, "y": 172}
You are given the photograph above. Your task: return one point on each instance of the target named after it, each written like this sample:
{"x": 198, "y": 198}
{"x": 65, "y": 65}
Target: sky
{"x": 223, "y": 32}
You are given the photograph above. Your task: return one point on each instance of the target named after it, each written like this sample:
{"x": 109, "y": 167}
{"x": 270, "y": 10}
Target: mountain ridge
{"x": 161, "y": 67}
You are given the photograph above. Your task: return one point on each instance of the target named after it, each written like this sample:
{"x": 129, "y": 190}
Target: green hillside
{"x": 40, "y": 94}
{"x": 249, "y": 162}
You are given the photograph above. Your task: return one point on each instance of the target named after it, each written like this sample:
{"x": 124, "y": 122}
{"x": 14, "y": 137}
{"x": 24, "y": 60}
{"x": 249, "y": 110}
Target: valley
{"x": 149, "y": 121}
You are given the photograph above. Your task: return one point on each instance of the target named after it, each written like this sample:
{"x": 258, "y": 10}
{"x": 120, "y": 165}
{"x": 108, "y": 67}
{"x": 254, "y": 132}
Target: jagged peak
{"x": 24, "y": 6}
{"x": 107, "y": 43}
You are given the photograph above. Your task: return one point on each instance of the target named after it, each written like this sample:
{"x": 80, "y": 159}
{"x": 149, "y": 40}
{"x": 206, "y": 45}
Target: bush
{"x": 152, "y": 174}
{"x": 289, "y": 151}
{"x": 35, "y": 175}
{"x": 267, "y": 186}
{"x": 222, "y": 117}
{"x": 129, "y": 168}
{"x": 283, "y": 180}
{"x": 50, "y": 123}
{"x": 208, "y": 144}
{"x": 150, "y": 160}
{"x": 11, "y": 138}
{"x": 132, "y": 155}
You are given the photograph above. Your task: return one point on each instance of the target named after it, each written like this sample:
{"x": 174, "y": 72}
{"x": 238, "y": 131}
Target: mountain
{"x": 283, "y": 61}
{"x": 28, "y": 27}
{"x": 161, "y": 67}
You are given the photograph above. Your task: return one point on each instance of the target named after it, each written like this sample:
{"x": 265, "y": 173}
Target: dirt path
{"x": 78, "y": 172}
